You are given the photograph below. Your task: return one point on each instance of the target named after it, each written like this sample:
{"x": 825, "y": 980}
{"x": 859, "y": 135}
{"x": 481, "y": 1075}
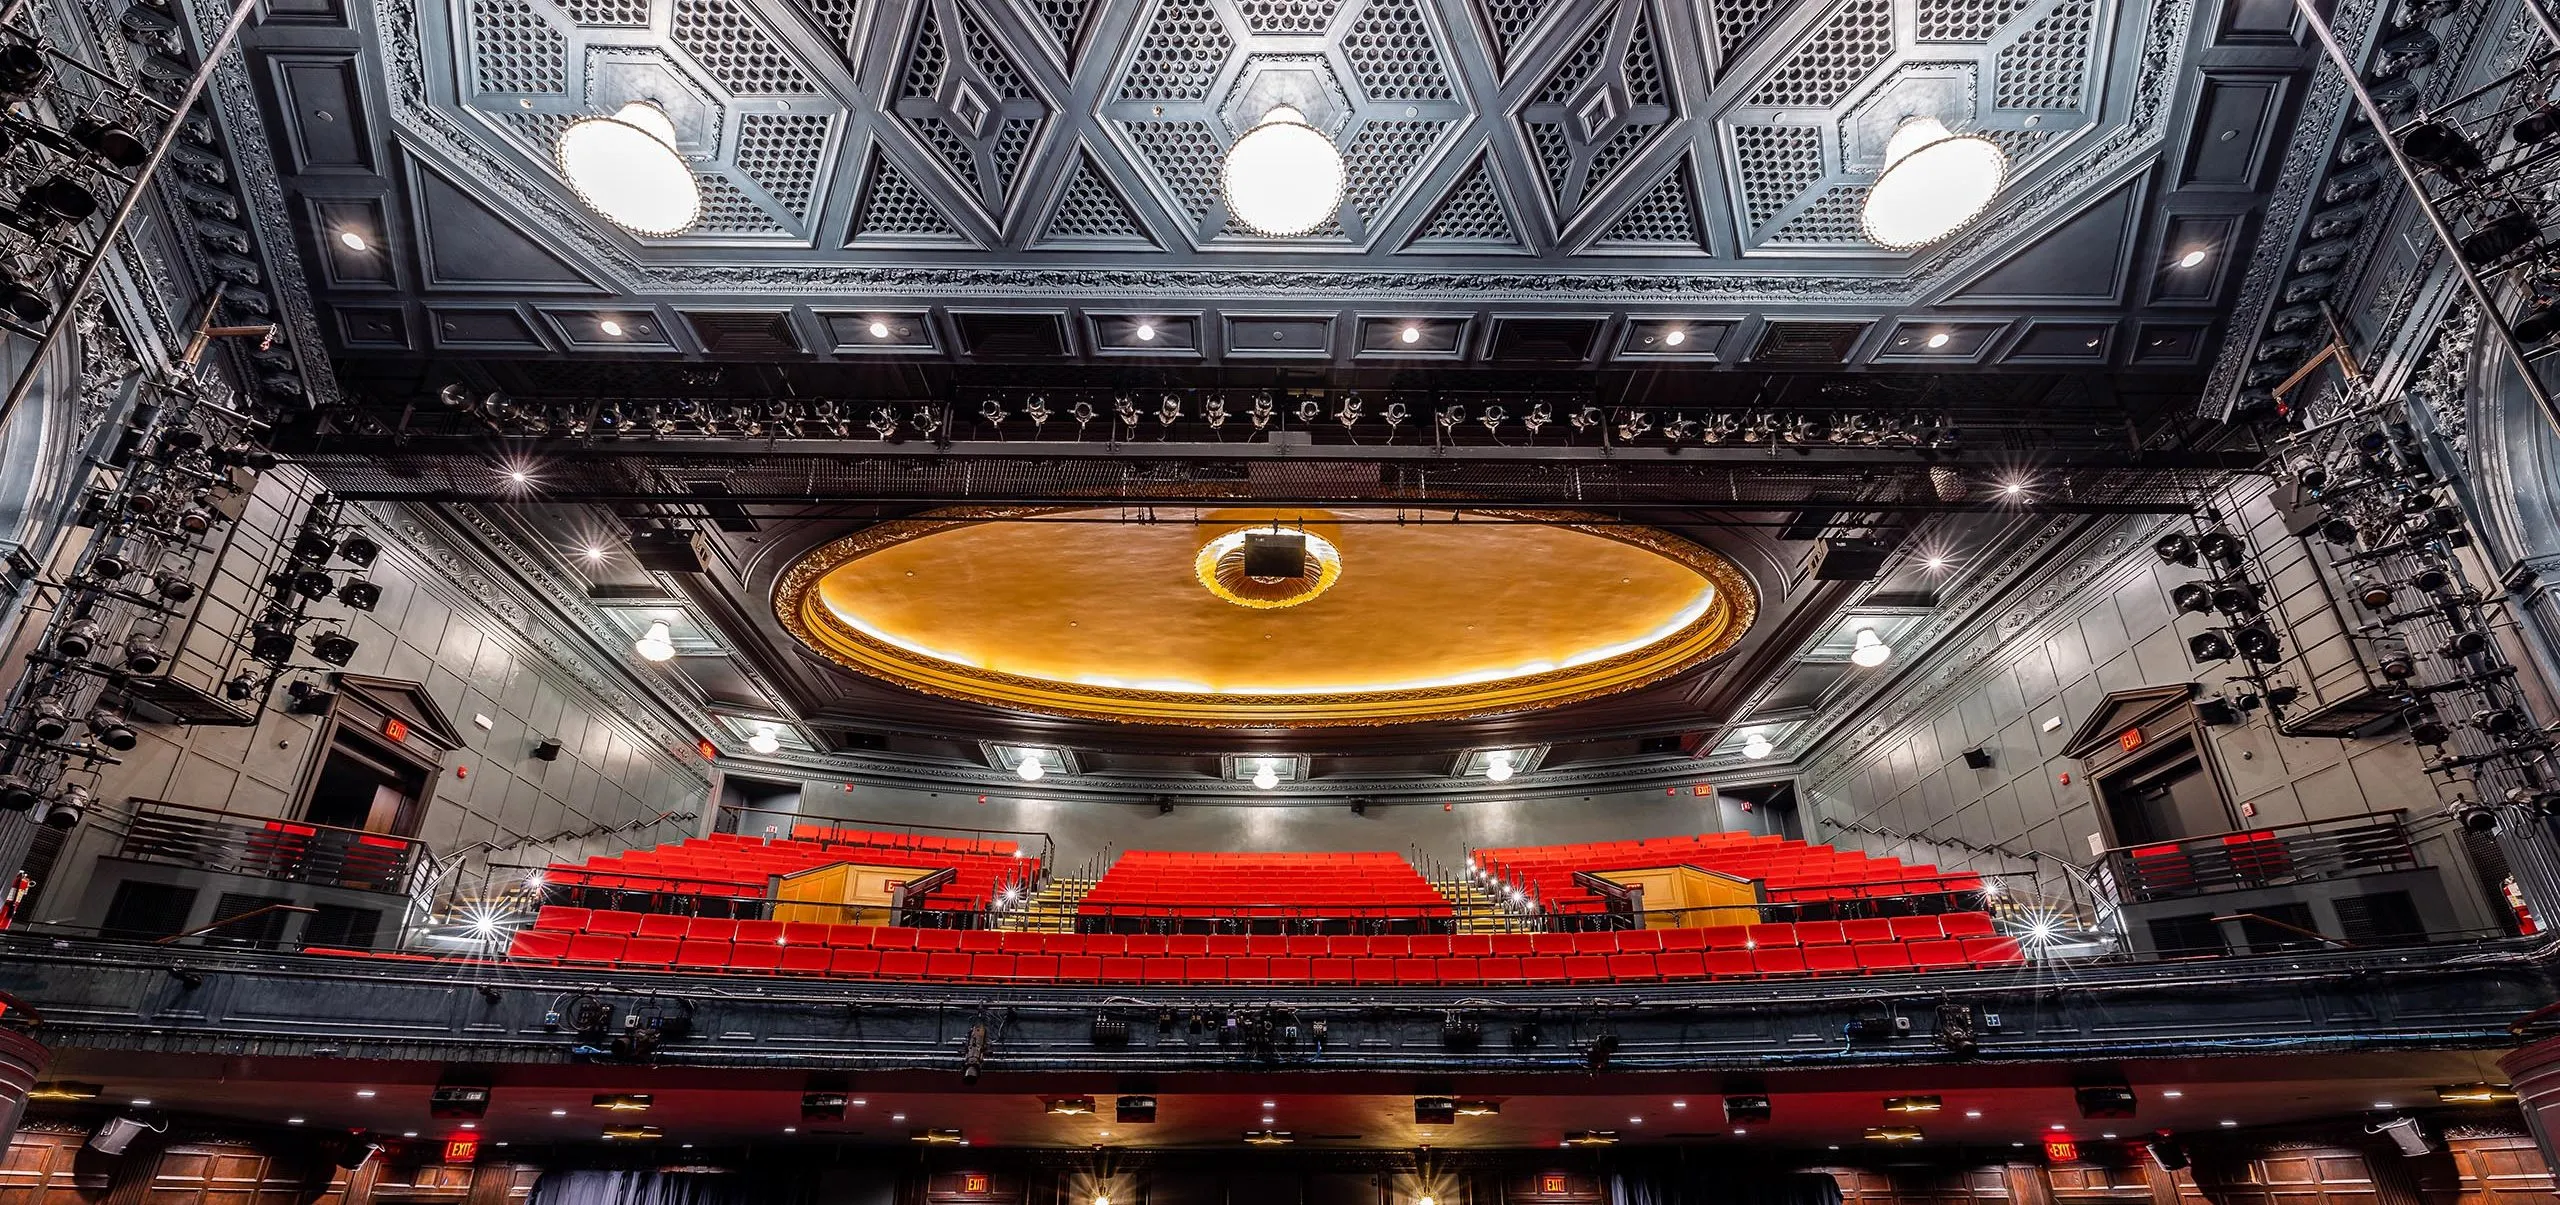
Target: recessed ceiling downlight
{"x": 626, "y": 167}
{"x": 1284, "y": 177}
{"x": 1934, "y": 182}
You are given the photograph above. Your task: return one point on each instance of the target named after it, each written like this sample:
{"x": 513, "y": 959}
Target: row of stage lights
{"x": 1129, "y": 416}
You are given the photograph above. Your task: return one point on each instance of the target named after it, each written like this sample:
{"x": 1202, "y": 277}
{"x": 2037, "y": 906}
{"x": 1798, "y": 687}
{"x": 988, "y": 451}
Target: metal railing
{"x": 265, "y": 847}
{"x": 2310, "y": 851}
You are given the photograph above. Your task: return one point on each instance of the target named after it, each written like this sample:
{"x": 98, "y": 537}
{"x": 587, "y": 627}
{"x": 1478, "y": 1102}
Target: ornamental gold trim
{"x": 798, "y": 607}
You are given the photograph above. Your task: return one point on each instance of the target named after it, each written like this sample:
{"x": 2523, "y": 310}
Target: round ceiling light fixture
{"x": 1497, "y": 765}
{"x": 1267, "y": 777}
{"x": 1284, "y": 177}
{"x": 1029, "y": 768}
{"x": 1934, "y": 182}
{"x": 656, "y": 644}
{"x": 1756, "y": 746}
{"x": 626, "y": 167}
{"x": 765, "y": 741}
{"x": 1870, "y": 651}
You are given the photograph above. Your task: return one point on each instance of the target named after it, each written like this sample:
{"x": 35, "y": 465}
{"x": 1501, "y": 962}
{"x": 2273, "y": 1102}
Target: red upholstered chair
{"x": 544, "y": 945}
{"x": 1308, "y": 945}
{"x": 1392, "y": 945}
{"x": 1936, "y": 955}
{"x": 1149, "y": 945}
{"x": 1596, "y": 941}
{"x": 1993, "y": 951}
{"x": 711, "y": 928}
{"x": 1916, "y": 928}
{"x": 1187, "y": 945}
{"x": 804, "y": 933}
{"x": 854, "y": 964}
{"x": 1543, "y": 968}
{"x": 991, "y": 966}
{"x": 938, "y": 940}
{"x": 620, "y": 923}
{"x": 1123, "y": 968}
{"x": 1458, "y": 970}
{"x": 893, "y": 939}
{"x": 1731, "y": 964}
{"x": 1867, "y": 929}
{"x": 946, "y": 964}
{"x": 661, "y": 925}
{"x": 1498, "y": 968}
{"x": 1471, "y": 945}
{"x": 560, "y": 918}
{"x": 1778, "y": 960}
{"x": 1967, "y": 924}
{"x": 1883, "y": 956}
{"x": 757, "y": 956}
{"x": 850, "y": 937}
{"x": 1019, "y": 943}
{"x": 1229, "y": 945}
{"x": 1373, "y": 970}
{"x": 649, "y": 952}
{"x": 804, "y": 960}
{"x": 1417, "y": 972}
{"x": 1639, "y": 940}
{"x": 1106, "y": 944}
{"x": 1766, "y": 936}
{"x": 1266, "y": 945}
{"x": 1552, "y": 943}
{"x": 1633, "y": 966}
{"x": 1346, "y": 946}
{"x": 1431, "y": 945}
{"x": 1684, "y": 939}
{"x": 1079, "y": 968}
{"x": 1329, "y": 970}
{"x": 1831, "y": 960}
{"x": 1513, "y": 944}
{"x": 1291, "y": 968}
{"x": 1681, "y": 964}
{"x": 1244, "y": 968}
{"x": 1820, "y": 933}
{"x": 980, "y": 941}
{"x": 1197, "y": 968}
{"x": 1035, "y": 968}
{"x": 767, "y": 931}
{"x": 1727, "y": 937}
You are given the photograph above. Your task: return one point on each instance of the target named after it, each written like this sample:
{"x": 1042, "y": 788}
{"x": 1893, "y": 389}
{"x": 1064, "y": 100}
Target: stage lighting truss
{"x": 1206, "y": 416}
{"x": 2424, "y": 630}
{"x": 2246, "y": 642}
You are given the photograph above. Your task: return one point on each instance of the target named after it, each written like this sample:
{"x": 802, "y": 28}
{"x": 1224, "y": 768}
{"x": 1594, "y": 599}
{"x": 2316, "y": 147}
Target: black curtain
{"x": 610, "y": 1187}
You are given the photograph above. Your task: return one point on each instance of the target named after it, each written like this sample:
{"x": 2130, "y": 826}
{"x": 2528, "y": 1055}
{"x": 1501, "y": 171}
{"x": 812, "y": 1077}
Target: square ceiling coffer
{"x": 1555, "y": 340}
{"x": 1005, "y": 336}
{"x": 1807, "y": 342}
{"x": 744, "y": 334}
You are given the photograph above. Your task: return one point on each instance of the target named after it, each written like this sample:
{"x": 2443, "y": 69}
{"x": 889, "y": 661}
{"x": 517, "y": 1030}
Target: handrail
{"x": 232, "y": 920}
{"x": 2358, "y": 820}
{"x": 2186, "y": 868}
{"x": 2314, "y": 934}
{"x": 271, "y": 847}
{"x": 266, "y": 819}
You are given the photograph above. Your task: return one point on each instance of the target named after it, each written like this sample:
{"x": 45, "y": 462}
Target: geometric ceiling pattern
{"x": 1601, "y": 127}
{"x": 1614, "y": 161}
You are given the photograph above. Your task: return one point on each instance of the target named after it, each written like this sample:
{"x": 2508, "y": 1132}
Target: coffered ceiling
{"x": 1018, "y": 179}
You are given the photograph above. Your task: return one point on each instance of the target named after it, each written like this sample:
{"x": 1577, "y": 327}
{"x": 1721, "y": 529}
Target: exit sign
{"x": 2131, "y": 740}
{"x": 2061, "y": 1150}
{"x": 461, "y": 1150}
{"x": 973, "y": 1183}
{"x": 395, "y": 728}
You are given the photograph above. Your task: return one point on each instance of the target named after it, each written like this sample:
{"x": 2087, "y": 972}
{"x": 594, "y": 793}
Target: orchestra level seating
{"x": 731, "y": 865}
{"x": 1153, "y": 883}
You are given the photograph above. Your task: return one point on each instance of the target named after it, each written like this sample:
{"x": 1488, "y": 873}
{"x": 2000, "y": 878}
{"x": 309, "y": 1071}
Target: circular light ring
{"x": 1933, "y": 185}
{"x": 627, "y": 169}
{"x": 1220, "y": 567}
{"x": 1284, "y": 178}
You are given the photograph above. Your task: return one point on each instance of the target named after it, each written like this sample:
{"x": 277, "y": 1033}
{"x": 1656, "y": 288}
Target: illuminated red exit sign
{"x": 461, "y": 1150}
{"x": 2131, "y": 740}
{"x": 2061, "y": 1150}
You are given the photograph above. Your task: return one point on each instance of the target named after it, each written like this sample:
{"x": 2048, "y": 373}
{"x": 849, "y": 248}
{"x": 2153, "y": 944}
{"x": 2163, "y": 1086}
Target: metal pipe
{"x": 96, "y": 261}
{"x": 2489, "y": 313}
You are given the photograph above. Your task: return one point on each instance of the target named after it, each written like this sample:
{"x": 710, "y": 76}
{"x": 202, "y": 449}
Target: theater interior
{"x": 1279, "y": 602}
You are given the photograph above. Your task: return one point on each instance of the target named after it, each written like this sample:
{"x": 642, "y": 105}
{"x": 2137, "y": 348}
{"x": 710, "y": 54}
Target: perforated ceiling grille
{"x": 927, "y": 59}
{"x": 2047, "y": 67}
{"x": 1393, "y": 54}
{"x": 1508, "y": 22}
{"x": 736, "y": 50}
{"x": 1379, "y": 159}
{"x": 1471, "y": 213}
{"x": 840, "y": 18}
{"x": 1645, "y": 85}
{"x": 607, "y": 12}
{"x": 1089, "y": 208}
{"x": 1856, "y": 40}
{"x": 892, "y": 206}
{"x": 1777, "y": 164}
{"x": 1613, "y": 155}
{"x": 1064, "y": 18}
{"x": 513, "y": 49}
{"x": 1965, "y": 20}
{"x": 1666, "y": 216}
{"x": 1576, "y": 69}
{"x": 1831, "y": 220}
{"x": 1555, "y": 154}
{"x": 948, "y": 146}
{"x": 781, "y": 152}
{"x": 1287, "y": 16}
{"x": 1185, "y": 155}
{"x": 1736, "y": 21}
{"x": 992, "y": 61}
{"x": 1180, "y": 55}
{"x": 727, "y": 210}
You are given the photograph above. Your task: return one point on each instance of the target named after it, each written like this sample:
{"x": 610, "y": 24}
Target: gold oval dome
{"x": 1350, "y": 616}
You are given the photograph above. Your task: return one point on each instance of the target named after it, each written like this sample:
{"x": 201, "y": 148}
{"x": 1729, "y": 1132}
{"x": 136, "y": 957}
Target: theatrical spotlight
{"x": 336, "y": 648}
{"x": 49, "y": 719}
{"x": 143, "y": 656}
{"x": 2475, "y": 817}
{"x": 2372, "y": 592}
{"x": 24, "y": 298}
{"x": 23, "y": 69}
{"x": 2257, "y": 643}
{"x": 79, "y": 640}
{"x": 2438, "y": 145}
{"x": 173, "y": 585}
{"x": 2208, "y": 646}
{"x": 68, "y": 808}
{"x": 16, "y": 793}
{"x": 2537, "y": 126}
{"x": 360, "y": 594}
{"x": 110, "y": 141}
{"x": 2499, "y": 237}
{"x": 59, "y": 199}
{"x": 109, "y": 726}
{"x": 2194, "y": 598}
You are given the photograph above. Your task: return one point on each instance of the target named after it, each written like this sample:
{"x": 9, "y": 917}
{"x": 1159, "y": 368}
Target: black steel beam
{"x": 108, "y": 996}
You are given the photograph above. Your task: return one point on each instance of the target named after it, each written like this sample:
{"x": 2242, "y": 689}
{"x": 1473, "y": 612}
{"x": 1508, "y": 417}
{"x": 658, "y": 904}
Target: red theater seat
{"x": 1513, "y": 944}
{"x": 1018, "y": 943}
{"x": 660, "y": 925}
{"x": 1681, "y": 964}
{"x": 1883, "y": 957}
{"x": 650, "y": 951}
{"x": 1123, "y": 968}
{"x": 1778, "y": 960}
{"x": 1498, "y": 968}
{"x": 1831, "y": 960}
{"x": 539, "y": 944}
{"x": 1412, "y": 972}
{"x": 1967, "y": 924}
{"x": 1993, "y": 951}
{"x": 938, "y": 940}
{"x": 766, "y": 931}
{"x": 1543, "y": 968}
{"x": 1916, "y": 928}
{"x": 980, "y": 941}
{"x": 1730, "y": 964}
{"x": 1726, "y": 937}
{"x": 854, "y": 964}
{"x": 756, "y": 956}
{"x": 902, "y": 964}
{"x": 946, "y": 964}
{"x": 621, "y": 923}
{"x": 991, "y": 966}
{"x": 703, "y": 955}
{"x": 1373, "y": 970}
{"x": 1290, "y": 968}
{"x": 560, "y": 918}
{"x": 1820, "y": 933}
{"x": 804, "y": 960}
{"x": 1079, "y": 968}
{"x": 1633, "y": 967}
{"x": 1866, "y": 930}
{"x": 1936, "y": 955}
{"x": 1640, "y": 940}
{"x": 1329, "y": 970}
{"x": 1035, "y": 967}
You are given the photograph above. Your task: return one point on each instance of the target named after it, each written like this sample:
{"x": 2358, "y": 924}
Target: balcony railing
{"x": 2374, "y": 843}
{"x": 269, "y": 848}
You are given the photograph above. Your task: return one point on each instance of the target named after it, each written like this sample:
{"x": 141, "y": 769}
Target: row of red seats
{"x": 1789, "y": 870}
{"x": 541, "y": 945}
{"x": 1172, "y": 883}
{"x": 747, "y": 865}
{"x": 1783, "y": 935}
{"x": 835, "y": 835}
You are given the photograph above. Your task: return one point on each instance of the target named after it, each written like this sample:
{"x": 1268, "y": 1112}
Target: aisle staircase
{"x": 1476, "y": 910}
{"x": 1053, "y": 910}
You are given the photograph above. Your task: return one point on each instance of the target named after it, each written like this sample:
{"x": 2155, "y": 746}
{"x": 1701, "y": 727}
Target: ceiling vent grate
{"x": 1808, "y": 342}
{"x": 744, "y": 334}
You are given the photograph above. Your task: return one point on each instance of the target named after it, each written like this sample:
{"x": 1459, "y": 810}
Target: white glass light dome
{"x": 1757, "y": 746}
{"x": 1870, "y": 651}
{"x": 1933, "y": 183}
{"x": 1284, "y": 177}
{"x": 626, "y": 167}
